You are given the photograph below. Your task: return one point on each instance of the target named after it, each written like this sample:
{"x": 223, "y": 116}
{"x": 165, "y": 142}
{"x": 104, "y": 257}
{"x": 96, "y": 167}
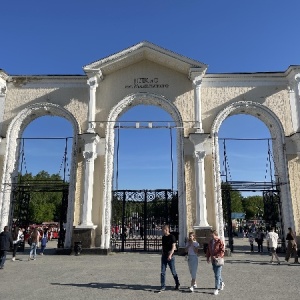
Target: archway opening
{"x": 145, "y": 193}
{"x": 41, "y": 184}
{"x": 249, "y": 175}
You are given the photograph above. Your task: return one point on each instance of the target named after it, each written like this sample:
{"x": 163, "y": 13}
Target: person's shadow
{"x": 137, "y": 287}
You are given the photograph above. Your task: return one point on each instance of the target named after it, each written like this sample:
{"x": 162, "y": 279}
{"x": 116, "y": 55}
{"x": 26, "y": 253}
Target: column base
{"x": 203, "y": 236}
{"x": 84, "y": 234}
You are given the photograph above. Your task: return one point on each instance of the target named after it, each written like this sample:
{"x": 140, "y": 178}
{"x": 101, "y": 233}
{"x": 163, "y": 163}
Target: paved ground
{"x": 136, "y": 276}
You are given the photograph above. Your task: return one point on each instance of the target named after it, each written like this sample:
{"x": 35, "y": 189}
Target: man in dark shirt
{"x": 6, "y": 243}
{"x": 167, "y": 258}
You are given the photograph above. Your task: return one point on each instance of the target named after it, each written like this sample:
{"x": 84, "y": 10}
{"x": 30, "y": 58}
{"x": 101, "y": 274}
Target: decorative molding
{"x": 10, "y": 168}
{"x": 199, "y": 155}
{"x": 277, "y": 133}
{"x": 89, "y": 156}
{"x": 125, "y": 104}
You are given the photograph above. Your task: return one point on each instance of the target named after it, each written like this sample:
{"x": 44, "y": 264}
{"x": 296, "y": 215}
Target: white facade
{"x": 197, "y": 101}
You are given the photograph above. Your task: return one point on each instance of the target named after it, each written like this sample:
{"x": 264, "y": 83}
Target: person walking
{"x": 191, "y": 248}
{"x": 6, "y": 242}
{"x": 251, "y": 241}
{"x": 216, "y": 249}
{"x": 35, "y": 238}
{"x": 44, "y": 241}
{"x": 272, "y": 238}
{"x": 17, "y": 238}
{"x": 167, "y": 258}
{"x": 291, "y": 246}
{"x": 260, "y": 240}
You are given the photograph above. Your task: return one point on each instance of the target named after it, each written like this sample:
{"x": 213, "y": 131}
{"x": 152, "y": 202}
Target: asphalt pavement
{"x": 137, "y": 276}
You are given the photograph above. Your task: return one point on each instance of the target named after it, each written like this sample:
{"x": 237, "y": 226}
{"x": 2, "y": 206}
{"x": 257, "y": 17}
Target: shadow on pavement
{"x": 137, "y": 287}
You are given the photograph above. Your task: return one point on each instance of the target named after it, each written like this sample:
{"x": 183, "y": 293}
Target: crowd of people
{"x": 37, "y": 237}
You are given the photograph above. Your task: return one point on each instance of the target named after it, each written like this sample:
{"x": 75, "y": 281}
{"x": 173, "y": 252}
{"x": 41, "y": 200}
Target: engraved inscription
{"x": 146, "y": 83}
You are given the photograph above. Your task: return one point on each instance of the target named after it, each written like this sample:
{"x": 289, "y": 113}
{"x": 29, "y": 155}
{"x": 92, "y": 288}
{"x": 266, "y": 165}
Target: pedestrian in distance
{"x": 44, "y": 241}
{"x": 191, "y": 248}
{"x": 17, "y": 238}
{"x": 251, "y": 241}
{"x": 272, "y": 238}
{"x": 167, "y": 258}
{"x": 6, "y": 242}
{"x": 260, "y": 240}
{"x": 291, "y": 246}
{"x": 216, "y": 250}
{"x": 34, "y": 240}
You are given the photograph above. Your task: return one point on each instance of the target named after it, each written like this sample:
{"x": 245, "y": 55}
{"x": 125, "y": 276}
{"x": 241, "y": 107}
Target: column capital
{"x": 3, "y": 87}
{"x": 90, "y": 138}
{"x": 94, "y": 79}
{"x": 89, "y": 156}
{"x": 199, "y": 155}
{"x": 201, "y": 141}
{"x": 196, "y": 76}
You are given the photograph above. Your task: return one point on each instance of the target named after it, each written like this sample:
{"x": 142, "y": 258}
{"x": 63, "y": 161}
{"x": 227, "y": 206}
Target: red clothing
{"x": 218, "y": 249}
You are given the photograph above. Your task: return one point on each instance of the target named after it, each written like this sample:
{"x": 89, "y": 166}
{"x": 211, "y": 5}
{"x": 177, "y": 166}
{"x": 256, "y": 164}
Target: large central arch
{"x": 117, "y": 110}
{"x": 277, "y": 133}
{"x": 14, "y": 133}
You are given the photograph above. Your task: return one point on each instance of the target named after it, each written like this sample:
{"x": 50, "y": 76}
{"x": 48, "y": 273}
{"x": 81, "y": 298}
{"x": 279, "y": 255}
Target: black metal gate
{"x": 138, "y": 217}
{"x": 272, "y": 211}
{"x": 21, "y": 195}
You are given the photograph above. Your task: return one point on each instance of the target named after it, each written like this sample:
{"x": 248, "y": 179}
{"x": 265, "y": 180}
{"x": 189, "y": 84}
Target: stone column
{"x": 196, "y": 77}
{"x": 89, "y": 154}
{"x": 294, "y": 91}
{"x": 200, "y": 140}
{"x": 297, "y": 92}
{"x": 93, "y": 83}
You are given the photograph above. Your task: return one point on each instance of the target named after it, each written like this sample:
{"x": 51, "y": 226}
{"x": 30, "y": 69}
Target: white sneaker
{"x": 13, "y": 259}
{"x": 191, "y": 288}
{"x": 195, "y": 286}
{"x": 216, "y": 292}
{"x": 222, "y": 286}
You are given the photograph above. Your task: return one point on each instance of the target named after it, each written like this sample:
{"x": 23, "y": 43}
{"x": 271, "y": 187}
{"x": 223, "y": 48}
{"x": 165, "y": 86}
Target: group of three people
{"x": 215, "y": 250}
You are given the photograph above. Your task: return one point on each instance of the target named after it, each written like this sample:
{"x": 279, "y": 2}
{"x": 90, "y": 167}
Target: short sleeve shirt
{"x": 167, "y": 242}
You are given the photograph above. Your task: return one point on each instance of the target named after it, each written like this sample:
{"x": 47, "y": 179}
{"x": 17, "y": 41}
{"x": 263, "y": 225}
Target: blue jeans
{"x": 33, "y": 250}
{"x": 171, "y": 264}
{"x": 2, "y": 258}
{"x": 218, "y": 277}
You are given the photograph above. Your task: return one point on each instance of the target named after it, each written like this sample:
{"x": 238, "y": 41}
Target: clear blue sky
{"x": 59, "y": 37}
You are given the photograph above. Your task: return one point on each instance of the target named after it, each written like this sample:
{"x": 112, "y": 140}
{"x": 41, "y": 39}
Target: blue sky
{"x": 60, "y": 37}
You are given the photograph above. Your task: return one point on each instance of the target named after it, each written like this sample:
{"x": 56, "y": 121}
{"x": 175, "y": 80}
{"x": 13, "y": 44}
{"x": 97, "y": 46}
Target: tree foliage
{"x": 44, "y": 206}
{"x": 235, "y": 198}
{"x": 253, "y": 206}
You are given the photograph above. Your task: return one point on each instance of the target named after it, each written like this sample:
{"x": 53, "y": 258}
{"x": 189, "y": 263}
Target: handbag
{"x": 219, "y": 261}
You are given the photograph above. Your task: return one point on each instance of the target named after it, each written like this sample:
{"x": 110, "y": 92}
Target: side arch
{"x": 269, "y": 118}
{"x": 118, "y": 110}
{"x": 10, "y": 168}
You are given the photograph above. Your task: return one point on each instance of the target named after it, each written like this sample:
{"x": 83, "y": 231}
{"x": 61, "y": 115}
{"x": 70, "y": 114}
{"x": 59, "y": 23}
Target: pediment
{"x": 144, "y": 51}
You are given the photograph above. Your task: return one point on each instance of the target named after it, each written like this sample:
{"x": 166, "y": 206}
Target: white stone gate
{"x": 198, "y": 102}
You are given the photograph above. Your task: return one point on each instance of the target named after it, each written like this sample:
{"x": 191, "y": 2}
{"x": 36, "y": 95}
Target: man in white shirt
{"x": 272, "y": 238}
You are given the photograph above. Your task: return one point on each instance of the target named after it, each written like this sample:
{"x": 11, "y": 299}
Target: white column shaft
{"x": 198, "y": 107}
{"x": 92, "y": 82}
{"x": 201, "y": 211}
{"x": 86, "y": 218}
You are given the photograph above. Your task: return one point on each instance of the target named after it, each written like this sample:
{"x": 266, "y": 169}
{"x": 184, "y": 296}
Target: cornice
{"x": 245, "y": 79}
{"x": 47, "y": 81}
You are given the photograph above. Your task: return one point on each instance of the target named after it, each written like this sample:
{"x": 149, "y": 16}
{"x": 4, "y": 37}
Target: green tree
{"x": 235, "y": 200}
{"x": 44, "y": 206}
{"x": 253, "y": 205}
